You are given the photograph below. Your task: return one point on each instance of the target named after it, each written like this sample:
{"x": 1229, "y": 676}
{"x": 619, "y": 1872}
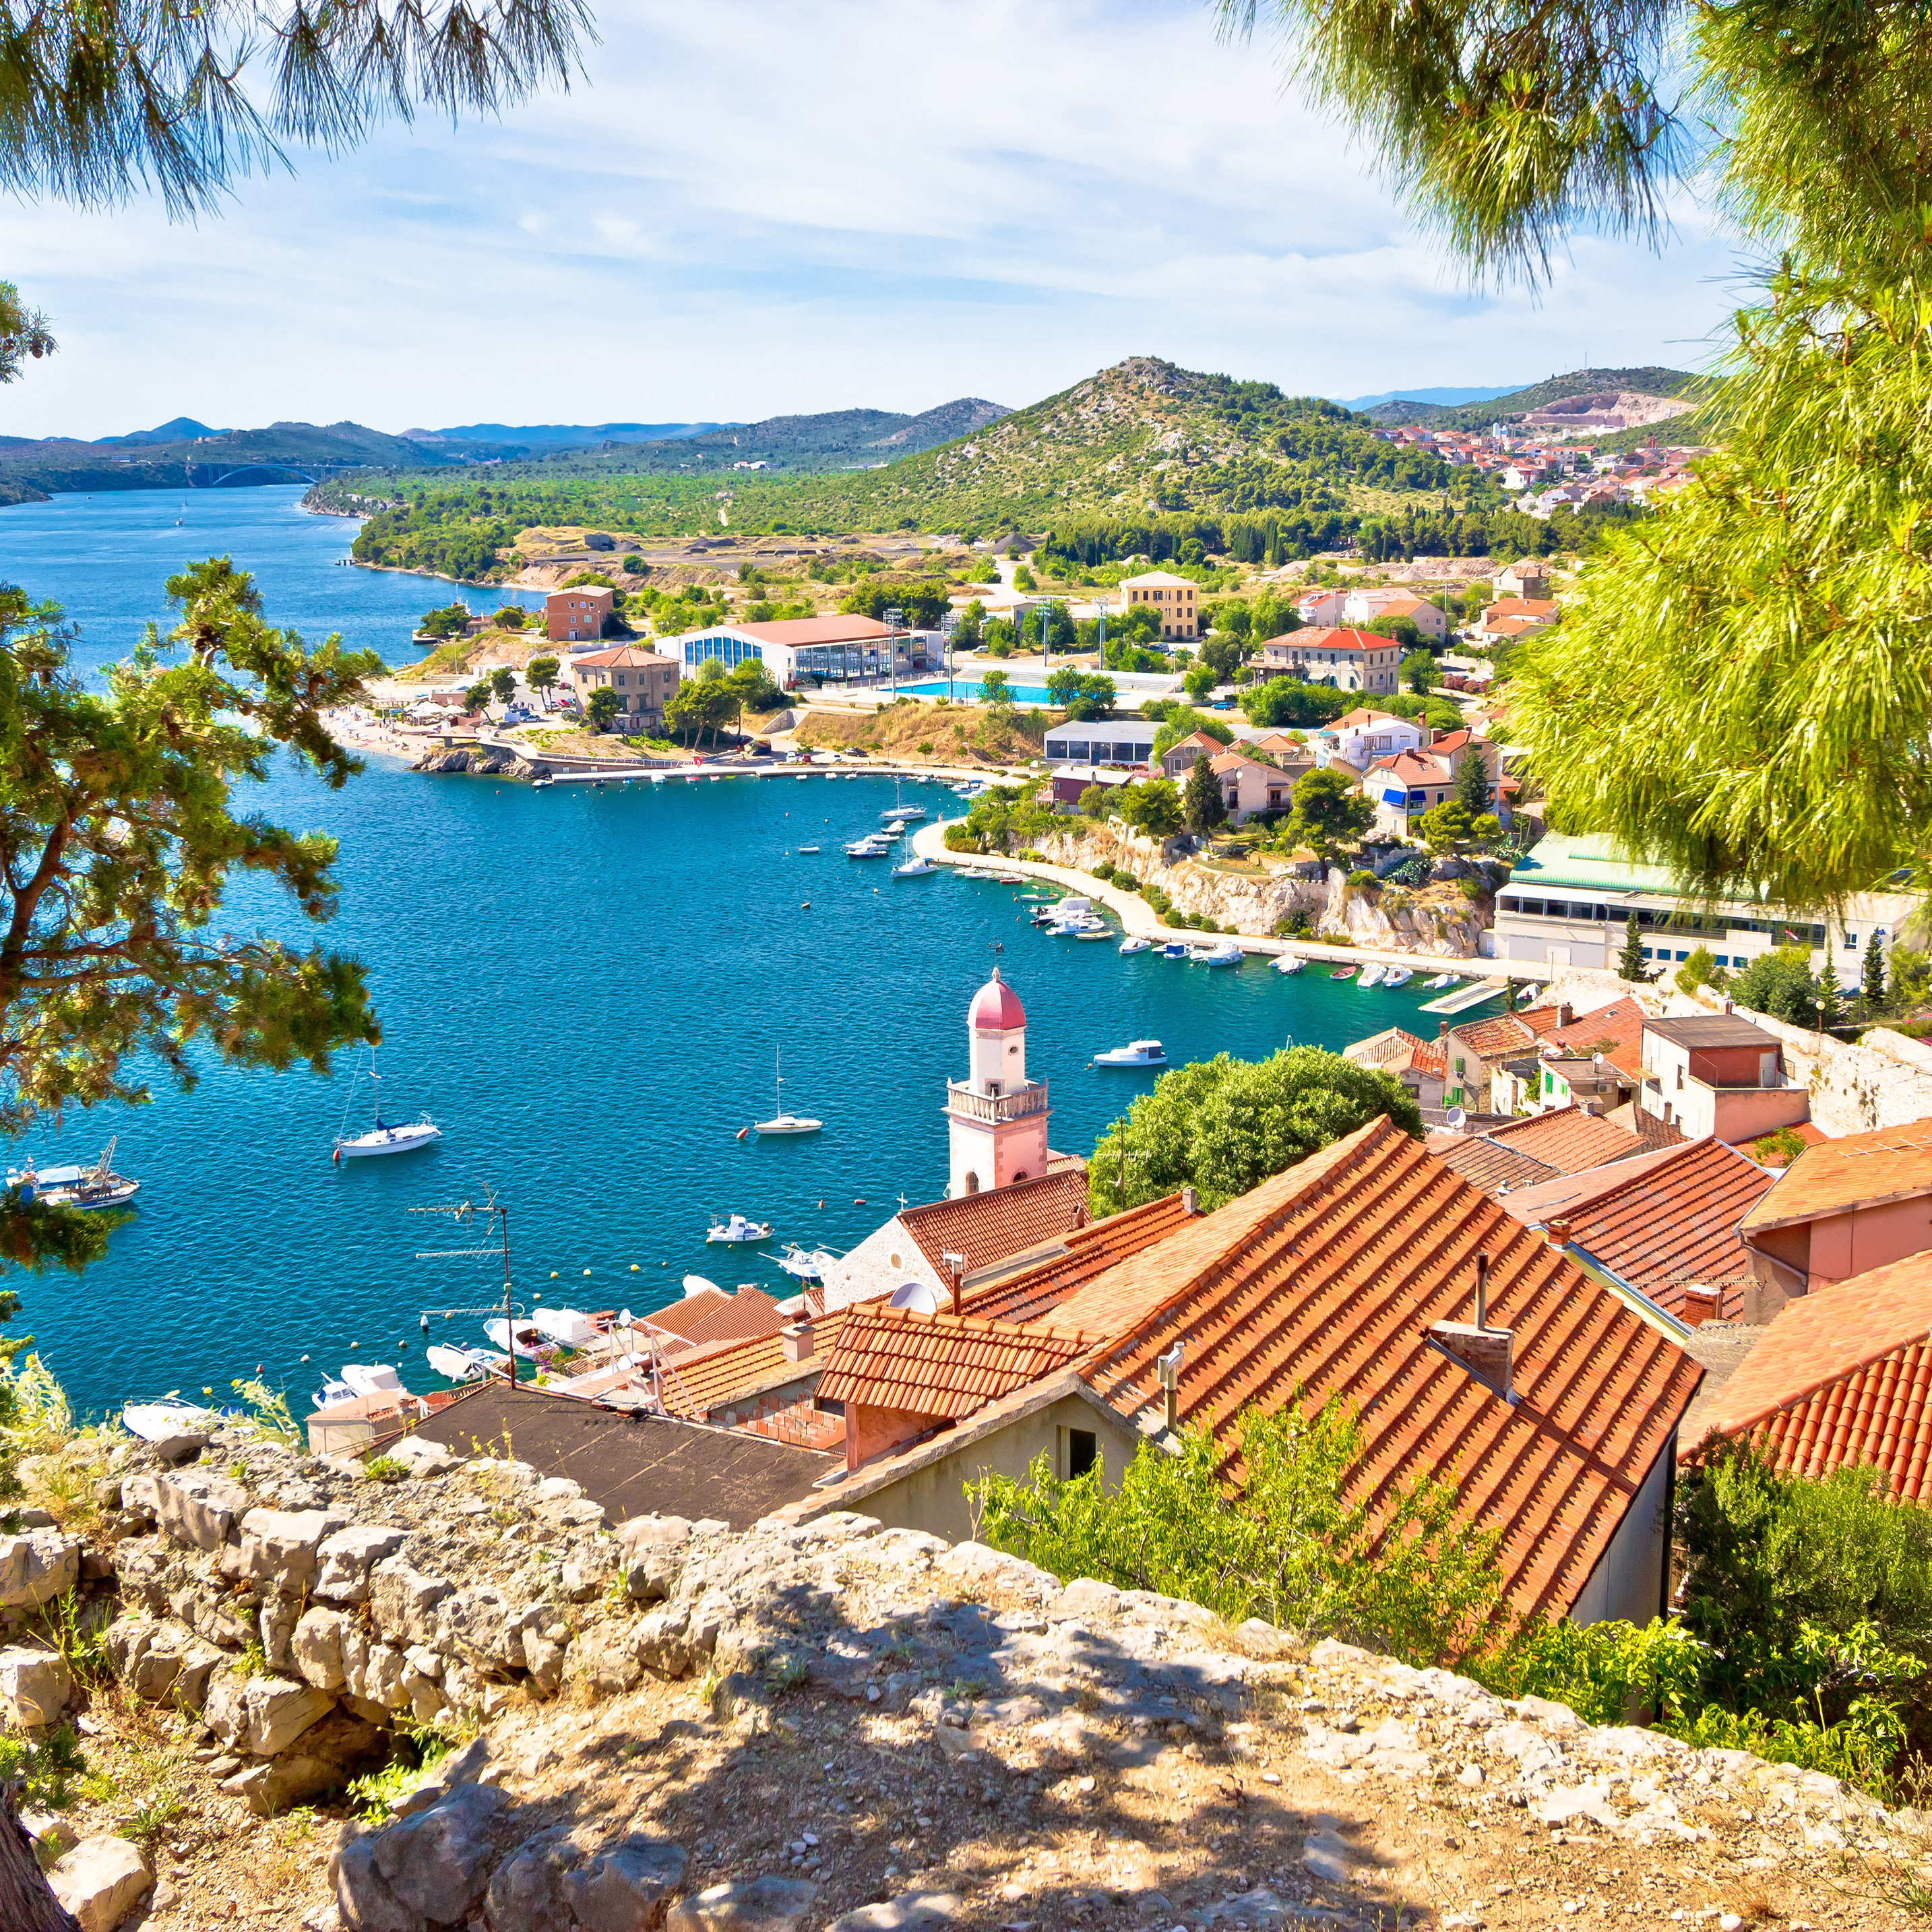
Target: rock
{"x": 403, "y": 1602}
{"x": 1086, "y": 1597}
{"x": 263, "y": 1715}
{"x": 463, "y": 1767}
{"x": 196, "y": 1509}
{"x": 438, "y": 1861}
{"x": 316, "y": 1649}
{"x": 559, "y": 1489}
{"x": 588, "y": 1570}
{"x": 544, "y": 1658}
{"x": 322, "y": 1759}
{"x": 1325, "y": 1857}
{"x": 477, "y": 1622}
{"x": 1577, "y": 1800}
{"x": 279, "y": 1546}
{"x": 909, "y": 1910}
{"x": 424, "y": 1459}
{"x": 654, "y": 1549}
{"x": 100, "y": 1881}
{"x": 607, "y": 1660}
{"x": 552, "y": 1880}
{"x": 36, "y": 1567}
{"x": 34, "y": 1685}
{"x": 344, "y": 1560}
{"x": 744, "y": 1905}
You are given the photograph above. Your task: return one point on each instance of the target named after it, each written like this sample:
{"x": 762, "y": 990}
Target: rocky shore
{"x": 662, "y": 1722}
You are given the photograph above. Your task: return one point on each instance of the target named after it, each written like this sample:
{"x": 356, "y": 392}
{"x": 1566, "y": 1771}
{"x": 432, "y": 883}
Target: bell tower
{"x": 996, "y": 1117}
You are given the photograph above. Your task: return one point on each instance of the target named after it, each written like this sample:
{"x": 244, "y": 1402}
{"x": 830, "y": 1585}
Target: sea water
{"x": 589, "y": 990}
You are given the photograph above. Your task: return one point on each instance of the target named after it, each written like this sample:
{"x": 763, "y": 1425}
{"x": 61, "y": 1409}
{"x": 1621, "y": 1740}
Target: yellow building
{"x": 1173, "y": 597}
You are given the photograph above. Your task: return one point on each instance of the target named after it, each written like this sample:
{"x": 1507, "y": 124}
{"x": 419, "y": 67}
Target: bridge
{"x": 212, "y": 476}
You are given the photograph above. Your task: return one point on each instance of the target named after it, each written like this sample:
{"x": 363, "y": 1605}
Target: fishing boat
{"x": 161, "y": 1420}
{"x": 1344, "y": 972}
{"x": 804, "y": 1264}
{"x": 457, "y": 1365}
{"x": 782, "y": 1122}
{"x": 914, "y": 869}
{"x": 372, "y": 1377}
{"x": 70, "y": 1186}
{"x": 384, "y": 1136}
{"x": 1009, "y": 878}
{"x": 332, "y": 1391}
{"x": 736, "y": 1228}
{"x": 1135, "y": 1053}
{"x": 1093, "y": 930}
{"x": 1227, "y": 953}
{"x": 1398, "y": 976}
{"x": 1136, "y": 944}
{"x": 1290, "y": 962}
{"x": 1370, "y": 975}
{"x": 1173, "y": 949}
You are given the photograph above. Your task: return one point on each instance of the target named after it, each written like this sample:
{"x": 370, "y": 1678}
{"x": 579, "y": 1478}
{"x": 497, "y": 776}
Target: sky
{"x": 754, "y": 207}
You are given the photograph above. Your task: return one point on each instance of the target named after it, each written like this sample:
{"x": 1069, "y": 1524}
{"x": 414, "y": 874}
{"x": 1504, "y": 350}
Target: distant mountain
{"x": 180, "y": 429}
{"x": 1442, "y": 398}
{"x": 546, "y": 437}
{"x": 1672, "y": 384}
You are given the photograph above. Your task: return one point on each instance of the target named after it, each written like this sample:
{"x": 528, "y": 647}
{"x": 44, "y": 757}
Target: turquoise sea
{"x": 587, "y": 989}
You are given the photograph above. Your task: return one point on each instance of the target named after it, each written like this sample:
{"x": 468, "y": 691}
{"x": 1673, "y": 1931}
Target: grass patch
{"x": 376, "y": 1794}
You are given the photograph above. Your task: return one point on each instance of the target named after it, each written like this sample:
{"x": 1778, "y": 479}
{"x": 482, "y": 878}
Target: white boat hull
{"x": 788, "y": 1123}
{"x": 156, "y": 1421}
{"x": 389, "y": 1140}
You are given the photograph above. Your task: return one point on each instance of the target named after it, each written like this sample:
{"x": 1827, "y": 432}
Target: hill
{"x": 1669, "y": 383}
{"x": 176, "y": 429}
{"x": 1443, "y": 398}
{"x": 542, "y": 436}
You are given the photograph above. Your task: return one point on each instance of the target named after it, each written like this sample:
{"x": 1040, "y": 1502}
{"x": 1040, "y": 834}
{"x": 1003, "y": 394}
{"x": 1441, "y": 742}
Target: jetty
{"x": 1460, "y": 999}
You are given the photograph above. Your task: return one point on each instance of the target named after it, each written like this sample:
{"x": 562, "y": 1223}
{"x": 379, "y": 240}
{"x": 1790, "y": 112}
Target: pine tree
{"x": 1202, "y": 804}
{"x": 1874, "y": 973}
{"x": 1472, "y": 782}
{"x": 1629, "y": 962}
{"x": 1826, "y": 1000}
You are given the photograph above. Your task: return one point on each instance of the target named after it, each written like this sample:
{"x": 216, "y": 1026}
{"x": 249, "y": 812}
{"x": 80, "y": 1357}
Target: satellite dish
{"x": 919, "y": 1296}
{"x": 1458, "y": 1119}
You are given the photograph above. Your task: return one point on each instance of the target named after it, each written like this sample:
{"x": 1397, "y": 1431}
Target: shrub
{"x": 1103, "y": 868}
{"x": 385, "y": 1469}
{"x": 1291, "y": 925}
{"x": 925, "y": 748}
{"x": 1361, "y": 880}
{"x": 1126, "y": 882}
{"x": 1473, "y": 889}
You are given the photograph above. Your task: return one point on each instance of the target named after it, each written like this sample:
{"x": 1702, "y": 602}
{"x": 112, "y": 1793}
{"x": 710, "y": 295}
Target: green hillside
{"x": 1646, "y": 382}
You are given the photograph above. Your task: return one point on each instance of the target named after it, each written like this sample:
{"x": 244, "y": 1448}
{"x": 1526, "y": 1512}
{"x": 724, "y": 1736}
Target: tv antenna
{"x": 492, "y": 1207}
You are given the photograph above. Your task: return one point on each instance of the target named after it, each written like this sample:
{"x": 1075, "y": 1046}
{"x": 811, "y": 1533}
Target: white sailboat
{"x": 782, "y": 1122}
{"x": 906, "y": 814}
{"x": 384, "y": 1136}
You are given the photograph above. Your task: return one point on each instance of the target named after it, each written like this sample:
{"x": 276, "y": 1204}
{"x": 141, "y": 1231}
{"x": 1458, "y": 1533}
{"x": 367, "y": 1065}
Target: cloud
{"x": 754, "y": 207}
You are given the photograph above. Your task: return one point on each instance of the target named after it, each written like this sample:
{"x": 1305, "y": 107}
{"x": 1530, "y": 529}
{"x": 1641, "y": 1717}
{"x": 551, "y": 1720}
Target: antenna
{"x": 492, "y": 1207}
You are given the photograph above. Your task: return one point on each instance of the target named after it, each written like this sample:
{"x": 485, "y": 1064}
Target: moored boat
{"x": 1136, "y": 943}
{"x": 1290, "y": 962}
{"x": 1371, "y": 975}
{"x": 914, "y": 869}
{"x": 1227, "y": 953}
{"x": 384, "y": 1136}
{"x": 782, "y": 1123}
{"x": 738, "y": 1229}
{"x": 72, "y": 1187}
{"x": 1398, "y": 976}
{"x": 1344, "y": 972}
{"x": 1135, "y": 1053}
{"x": 165, "y": 1418}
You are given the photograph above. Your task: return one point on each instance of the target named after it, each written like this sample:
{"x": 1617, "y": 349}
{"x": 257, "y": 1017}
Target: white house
{"x": 803, "y": 650}
{"x": 1369, "y": 608}
{"x": 1321, "y": 606}
{"x": 1101, "y": 741}
{"x": 1358, "y": 738}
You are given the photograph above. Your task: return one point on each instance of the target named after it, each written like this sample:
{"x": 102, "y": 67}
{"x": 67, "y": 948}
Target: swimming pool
{"x": 965, "y": 688}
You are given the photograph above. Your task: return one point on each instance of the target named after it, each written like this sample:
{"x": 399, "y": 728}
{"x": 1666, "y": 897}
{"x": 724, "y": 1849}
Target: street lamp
{"x": 894, "y": 618}
{"x": 949, "y": 625}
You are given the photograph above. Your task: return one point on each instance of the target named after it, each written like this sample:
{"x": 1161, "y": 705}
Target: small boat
{"x": 736, "y": 1228}
{"x": 1344, "y": 972}
{"x": 1370, "y": 975}
{"x": 1135, "y": 1053}
{"x": 1173, "y": 949}
{"x": 158, "y": 1421}
{"x": 527, "y": 1342}
{"x": 1136, "y": 944}
{"x": 914, "y": 869}
{"x": 70, "y": 1186}
{"x": 870, "y": 847}
{"x": 568, "y": 1327}
{"x": 332, "y": 1392}
{"x": 1009, "y": 878}
{"x": 1098, "y": 929}
{"x": 803, "y": 1265}
{"x": 1226, "y": 954}
{"x": 1441, "y": 980}
{"x": 804, "y": 849}
{"x": 1398, "y": 976}
{"x": 782, "y": 1122}
{"x": 1290, "y": 962}
{"x": 384, "y": 1136}
{"x": 1528, "y": 993}
{"x": 457, "y": 1365}
{"x": 904, "y": 813}
{"x": 541, "y": 784}
{"x": 372, "y": 1378}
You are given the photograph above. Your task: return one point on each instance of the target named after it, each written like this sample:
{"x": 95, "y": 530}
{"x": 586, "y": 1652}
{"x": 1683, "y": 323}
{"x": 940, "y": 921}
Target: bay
{"x": 587, "y": 989}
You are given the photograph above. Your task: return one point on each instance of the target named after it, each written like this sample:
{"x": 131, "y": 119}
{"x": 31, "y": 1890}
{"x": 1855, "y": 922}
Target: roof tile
{"x": 1857, "y": 1171}
{"x": 987, "y": 1227}
{"x": 944, "y": 1366}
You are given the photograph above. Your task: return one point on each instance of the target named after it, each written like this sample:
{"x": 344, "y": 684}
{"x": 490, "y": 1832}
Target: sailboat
{"x": 781, "y": 1122}
{"x": 904, "y": 813}
{"x": 384, "y": 1136}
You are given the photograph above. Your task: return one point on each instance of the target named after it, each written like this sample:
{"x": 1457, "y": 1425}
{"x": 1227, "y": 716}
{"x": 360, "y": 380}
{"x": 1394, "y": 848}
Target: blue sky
{"x": 755, "y": 206}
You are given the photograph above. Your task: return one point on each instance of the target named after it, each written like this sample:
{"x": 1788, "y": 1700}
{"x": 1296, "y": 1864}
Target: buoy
{"x": 807, "y": 906}
{"x": 355, "y": 1344}
{"x": 634, "y": 1267}
{"x": 586, "y": 1270}
{"x": 741, "y": 1133}
{"x": 858, "y": 1200}
{"x": 821, "y": 1203}
{"x": 304, "y": 1358}
{"x": 552, "y": 1274}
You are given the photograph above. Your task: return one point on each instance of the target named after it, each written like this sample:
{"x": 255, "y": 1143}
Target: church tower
{"x": 996, "y": 1117}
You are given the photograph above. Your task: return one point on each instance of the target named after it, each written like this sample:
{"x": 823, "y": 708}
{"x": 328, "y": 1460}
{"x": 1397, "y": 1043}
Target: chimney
{"x": 1556, "y": 1231}
{"x": 1168, "y": 1367}
{"x": 1190, "y": 1202}
{"x": 796, "y": 1338}
{"x": 1564, "y": 1014}
{"x": 955, "y": 1265}
{"x": 1487, "y": 1353}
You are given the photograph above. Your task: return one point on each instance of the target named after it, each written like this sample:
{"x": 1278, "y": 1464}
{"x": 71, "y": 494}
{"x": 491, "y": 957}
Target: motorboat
{"x": 372, "y": 1377}
{"x": 331, "y": 1392}
{"x": 783, "y": 1122}
{"x": 1439, "y": 983}
{"x": 870, "y": 847}
{"x": 1398, "y": 976}
{"x": 1344, "y": 972}
{"x": 161, "y": 1420}
{"x": 803, "y": 1265}
{"x": 697, "y": 1284}
{"x": 72, "y": 1187}
{"x": 457, "y": 1365}
{"x": 1290, "y": 962}
{"x": 1528, "y": 993}
{"x": 914, "y": 869}
{"x": 1135, "y": 944}
{"x": 1226, "y": 954}
{"x": 1099, "y": 929}
{"x": 736, "y": 1228}
{"x": 1174, "y": 948}
{"x": 1009, "y": 878}
{"x": 1135, "y": 1053}
{"x": 384, "y": 1136}
{"x": 1370, "y": 975}
{"x": 803, "y": 850}
{"x": 527, "y": 1341}
{"x": 568, "y": 1327}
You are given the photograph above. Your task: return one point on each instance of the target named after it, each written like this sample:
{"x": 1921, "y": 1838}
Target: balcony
{"x": 994, "y": 1109}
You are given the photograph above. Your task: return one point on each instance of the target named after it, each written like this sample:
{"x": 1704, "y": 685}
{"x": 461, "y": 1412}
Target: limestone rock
{"x": 34, "y": 1685}
{"x": 344, "y": 1560}
{"x": 553, "y": 1880}
{"x": 316, "y": 1649}
{"x": 100, "y": 1881}
{"x": 913, "y": 1911}
{"x": 279, "y": 1546}
{"x": 656, "y": 1547}
{"x": 322, "y": 1759}
{"x": 36, "y": 1567}
{"x": 262, "y": 1715}
{"x": 476, "y": 1622}
{"x": 544, "y": 1658}
{"x": 424, "y": 1459}
{"x": 744, "y": 1905}
{"x": 1325, "y": 1857}
{"x": 196, "y": 1509}
{"x": 403, "y": 1602}
{"x": 437, "y": 1863}
{"x": 463, "y": 1767}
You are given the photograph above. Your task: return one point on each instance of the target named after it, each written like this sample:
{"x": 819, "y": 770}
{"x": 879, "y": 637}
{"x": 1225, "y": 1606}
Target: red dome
{"x": 996, "y": 1007}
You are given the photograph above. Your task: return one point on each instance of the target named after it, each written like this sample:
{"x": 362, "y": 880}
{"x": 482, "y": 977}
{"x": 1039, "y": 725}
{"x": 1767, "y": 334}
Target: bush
{"x": 925, "y": 749}
{"x": 1103, "y": 868}
{"x": 1361, "y": 880}
{"x": 385, "y": 1469}
{"x": 1291, "y": 925}
{"x": 1126, "y": 882}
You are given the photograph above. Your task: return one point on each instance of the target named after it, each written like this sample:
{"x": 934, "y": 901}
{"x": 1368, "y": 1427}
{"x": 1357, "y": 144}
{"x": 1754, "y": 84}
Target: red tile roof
{"x": 1858, "y": 1171}
{"x": 801, "y": 631}
{"x": 715, "y": 1315}
{"x": 1662, "y": 1222}
{"x": 1616, "y": 1031}
{"x": 945, "y": 1366}
{"x": 1087, "y": 1252}
{"x": 1503, "y": 1034}
{"x": 1568, "y": 1139}
{"x": 1324, "y": 638}
{"x": 1486, "y": 1163}
{"x": 1396, "y": 1049}
{"x": 1325, "y": 1280}
{"x": 988, "y": 1228}
{"x": 1843, "y": 1375}
{"x": 702, "y": 1381}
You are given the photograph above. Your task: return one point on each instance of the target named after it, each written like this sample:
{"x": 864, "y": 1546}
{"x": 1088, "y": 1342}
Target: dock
{"x": 1460, "y": 999}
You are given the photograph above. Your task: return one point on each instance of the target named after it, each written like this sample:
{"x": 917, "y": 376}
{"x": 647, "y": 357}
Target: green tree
{"x": 1828, "y": 1003}
{"x": 1096, "y": 801}
{"x": 1083, "y": 694}
{"x": 1779, "y": 984}
{"x": 1872, "y": 980}
{"x": 1420, "y": 673}
{"x": 601, "y": 707}
{"x": 23, "y": 333}
{"x": 1285, "y": 700}
{"x": 503, "y": 683}
{"x": 1701, "y": 969}
{"x": 447, "y": 620}
{"x": 758, "y": 690}
{"x": 510, "y": 617}
{"x": 996, "y": 688}
{"x": 1446, "y": 827}
{"x": 1183, "y": 720}
{"x": 1329, "y": 817}
{"x": 1911, "y": 976}
{"x": 477, "y": 696}
{"x": 1023, "y": 578}
{"x": 1200, "y": 682}
{"x": 1204, "y": 806}
{"x": 120, "y": 842}
{"x": 1152, "y": 806}
{"x": 1223, "y": 1126}
{"x": 1472, "y": 782}
{"x": 972, "y": 626}
{"x": 1631, "y": 964}
{"x": 634, "y": 565}
{"x": 540, "y": 674}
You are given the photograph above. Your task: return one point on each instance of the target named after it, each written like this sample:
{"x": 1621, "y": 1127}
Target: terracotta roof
{"x": 1661, "y": 1222}
{"x": 1414, "y": 768}
{"x": 1367, "y": 716}
{"x": 623, "y": 656}
{"x": 1843, "y": 1376}
{"x": 987, "y": 1227}
{"x": 1858, "y": 1171}
{"x": 1503, "y": 1034}
{"x": 1616, "y": 1031}
{"x": 944, "y": 1366}
{"x": 699, "y": 1383}
{"x": 796, "y": 631}
{"x": 1569, "y": 1140}
{"x": 1396, "y": 1048}
{"x": 1647, "y": 1128}
{"x": 714, "y": 1315}
{"x": 1485, "y": 1163}
{"x": 1330, "y": 637}
{"x": 1084, "y": 1254}
{"x": 1326, "y": 1279}
{"x": 1809, "y": 1132}
{"x": 1233, "y": 760}
{"x": 1521, "y": 606}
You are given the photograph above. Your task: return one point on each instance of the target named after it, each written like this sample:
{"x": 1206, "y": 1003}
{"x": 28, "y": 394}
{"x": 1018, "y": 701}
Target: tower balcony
{"x": 994, "y": 1110}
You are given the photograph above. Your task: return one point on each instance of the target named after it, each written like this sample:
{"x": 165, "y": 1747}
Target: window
{"x": 1079, "y": 1450}
{"x": 972, "y": 1182}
